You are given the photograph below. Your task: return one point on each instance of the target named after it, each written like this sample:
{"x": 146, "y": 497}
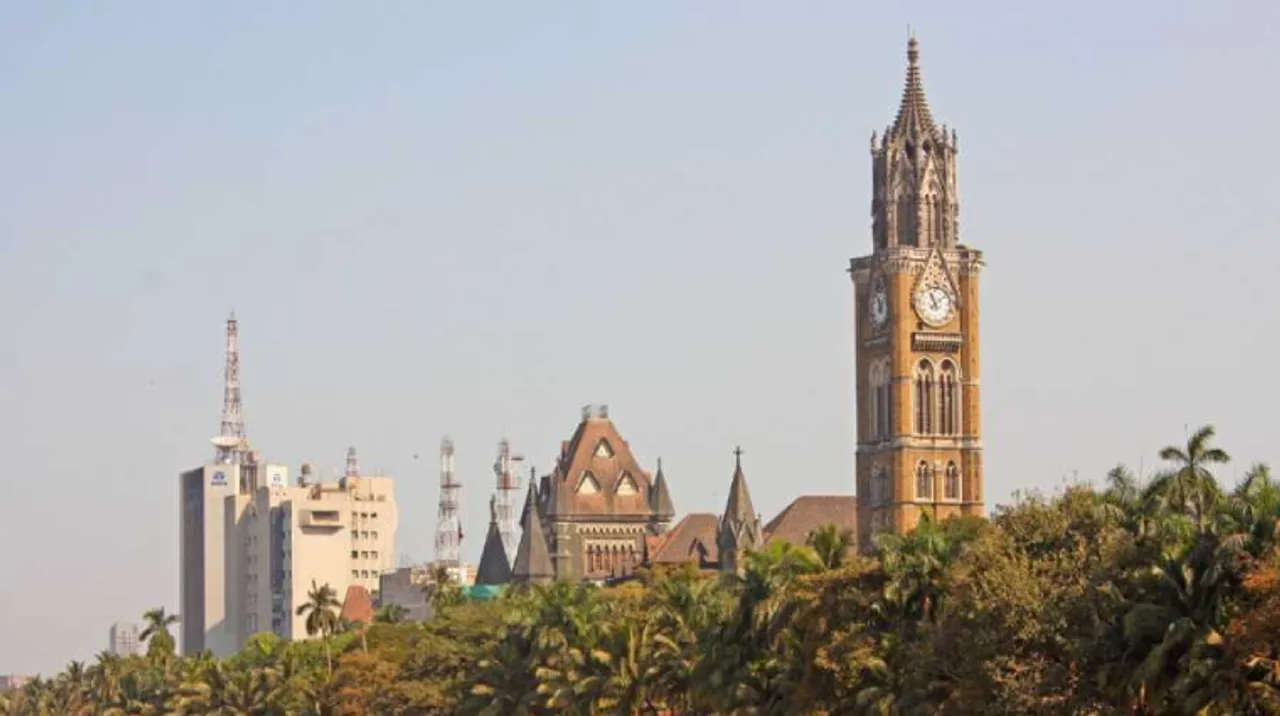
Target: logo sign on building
{"x": 219, "y": 479}
{"x": 277, "y": 479}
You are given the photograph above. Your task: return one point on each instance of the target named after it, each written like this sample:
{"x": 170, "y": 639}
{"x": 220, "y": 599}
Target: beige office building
{"x": 253, "y": 541}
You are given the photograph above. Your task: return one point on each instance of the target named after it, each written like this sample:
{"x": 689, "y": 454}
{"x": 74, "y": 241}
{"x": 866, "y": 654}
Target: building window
{"x": 925, "y": 388}
{"x": 627, "y": 485}
{"x": 588, "y": 485}
{"x": 881, "y": 422}
{"x": 949, "y": 399}
{"x": 374, "y": 534}
{"x": 373, "y": 555}
{"x": 364, "y": 573}
{"x": 364, "y": 555}
{"x": 354, "y": 534}
{"x": 951, "y": 483}
{"x": 354, "y": 554}
{"x": 355, "y": 574}
{"x": 880, "y": 488}
{"x": 924, "y": 482}
{"x": 375, "y": 515}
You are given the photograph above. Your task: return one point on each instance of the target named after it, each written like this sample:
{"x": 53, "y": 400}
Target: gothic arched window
{"x": 880, "y": 417}
{"x": 924, "y": 481}
{"x": 949, "y": 399}
{"x": 906, "y": 219}
{"x": 880, "y": 489}
{"x": 925, "y": 398}
{"x": 951, "y": 482}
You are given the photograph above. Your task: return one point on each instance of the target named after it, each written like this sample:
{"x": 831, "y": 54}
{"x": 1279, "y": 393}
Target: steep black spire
{"x": 494, "y": 567}
{"x": 533, "y": 559}
{"x": 659, "y": 498}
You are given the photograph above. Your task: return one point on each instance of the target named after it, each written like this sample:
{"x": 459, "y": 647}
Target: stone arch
{"x": 951, "y": 481}
{"x": 924, "y": 394}
{"x": 949, "y": 408}
{"x": 881, "y": 410}
{"x": 924, "y": 481}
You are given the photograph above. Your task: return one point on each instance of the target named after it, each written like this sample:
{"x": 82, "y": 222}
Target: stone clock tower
{"x": 919, "y": 441}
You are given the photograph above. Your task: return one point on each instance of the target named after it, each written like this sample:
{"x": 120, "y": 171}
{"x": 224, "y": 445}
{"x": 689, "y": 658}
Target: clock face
{"x": 879, "y": 304}
{"x": 935, "y": 306}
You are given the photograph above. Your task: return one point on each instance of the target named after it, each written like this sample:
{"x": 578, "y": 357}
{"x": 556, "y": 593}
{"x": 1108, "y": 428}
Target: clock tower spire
{"x": 919, "y": 448}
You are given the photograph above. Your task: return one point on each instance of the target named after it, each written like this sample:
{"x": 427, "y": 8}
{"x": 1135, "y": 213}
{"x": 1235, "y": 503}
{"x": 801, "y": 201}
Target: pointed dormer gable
{"x": 626, "y": 485}
{"x": 588, "y": 484}
{"x": 603, "y": 449}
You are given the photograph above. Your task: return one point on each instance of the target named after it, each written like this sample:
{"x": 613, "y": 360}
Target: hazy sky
{"x": 472, "y": 219}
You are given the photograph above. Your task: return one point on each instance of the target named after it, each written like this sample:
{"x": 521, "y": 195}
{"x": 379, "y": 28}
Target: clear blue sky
{"x": 473, "y": 218}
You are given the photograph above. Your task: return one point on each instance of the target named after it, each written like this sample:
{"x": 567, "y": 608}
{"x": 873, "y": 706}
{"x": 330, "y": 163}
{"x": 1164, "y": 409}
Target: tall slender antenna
{"x": 508, "y": 489}
{"x": 449, "y": 524}
{"x": 230, "y": 446}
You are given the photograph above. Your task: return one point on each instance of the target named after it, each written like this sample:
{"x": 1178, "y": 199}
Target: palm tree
{"x": 321, "y": 611}
{"x": 831, "y": 544}
{"x": 915, "y": 565}
{"x": 1188, "y": 485}
{"x": 157, "y": 622}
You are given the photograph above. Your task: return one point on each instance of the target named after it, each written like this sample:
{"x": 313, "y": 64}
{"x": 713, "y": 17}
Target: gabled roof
{"x": 586, "y": 453}
{"x": 533, "y": 560}
{"x": 660, "y": 499}
{"x": 358, "y": 605}
{"x": 809, "y": 512}
{"x": 494, "y": 567}
{"x": 695, "y": 533}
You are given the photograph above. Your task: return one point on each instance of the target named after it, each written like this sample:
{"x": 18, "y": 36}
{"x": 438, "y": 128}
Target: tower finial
{"x": 913, "y": 113}
{"x": 737, "y": 457}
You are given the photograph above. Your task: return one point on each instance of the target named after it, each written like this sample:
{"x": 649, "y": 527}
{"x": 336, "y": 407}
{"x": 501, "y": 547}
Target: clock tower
{"x": 916, "y": 331}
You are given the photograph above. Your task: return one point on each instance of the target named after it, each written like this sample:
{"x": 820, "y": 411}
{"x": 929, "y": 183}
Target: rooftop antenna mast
{"x": 506, "y": 470}
{"x": 231, "y": 446}
{"x": 449, "y": 525}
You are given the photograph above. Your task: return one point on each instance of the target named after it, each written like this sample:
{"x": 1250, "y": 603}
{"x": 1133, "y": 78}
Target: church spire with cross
{"x": 739, "y": 529}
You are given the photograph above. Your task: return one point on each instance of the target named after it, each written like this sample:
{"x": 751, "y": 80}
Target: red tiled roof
{"x": 358, "y": 605}
{"x": 808, "y": 512}
{"x": 696, "y": 531}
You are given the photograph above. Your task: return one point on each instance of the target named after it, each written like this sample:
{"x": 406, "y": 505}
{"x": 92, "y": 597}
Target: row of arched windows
{"x": 611, "y": 559}
{"x": 925, "y": 479}
{"x": 935, "y": 393}
{"x": 937, "y": 398}
{"x": 920, "y": 223}
{"x": 882, "y": 490}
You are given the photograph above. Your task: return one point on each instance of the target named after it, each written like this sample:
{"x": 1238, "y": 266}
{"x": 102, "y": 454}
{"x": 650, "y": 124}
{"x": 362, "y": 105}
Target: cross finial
{"x": 493, "y": 509}
{"x": 737, "y": 456}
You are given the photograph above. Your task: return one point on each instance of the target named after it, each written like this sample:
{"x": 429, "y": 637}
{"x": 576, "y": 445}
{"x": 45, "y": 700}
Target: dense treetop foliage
{"x": 1128, "y": 598}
